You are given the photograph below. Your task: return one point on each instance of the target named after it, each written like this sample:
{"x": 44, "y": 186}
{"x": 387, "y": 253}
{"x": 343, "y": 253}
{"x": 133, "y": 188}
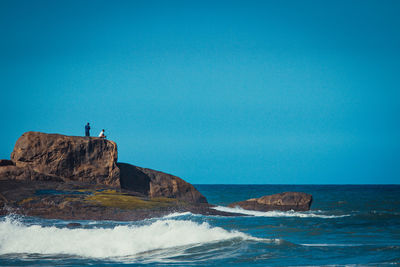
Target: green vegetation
{"x": 114, "y": 199}
{"x": 26, "y": 200}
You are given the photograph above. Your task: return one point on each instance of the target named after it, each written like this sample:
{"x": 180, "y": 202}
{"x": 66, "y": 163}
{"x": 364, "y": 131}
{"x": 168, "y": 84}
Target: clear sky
{"x": 287, "y": 92}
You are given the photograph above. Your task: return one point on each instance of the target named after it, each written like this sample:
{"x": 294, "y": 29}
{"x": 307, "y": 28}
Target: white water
{"x": 178, "y": 214}
{"x": 306, "y": 214}
{"x": 120, "y": 241}
{"x": 331, "y": 245}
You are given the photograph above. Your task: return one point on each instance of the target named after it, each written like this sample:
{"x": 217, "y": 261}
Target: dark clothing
{"x": 87, "y": 130}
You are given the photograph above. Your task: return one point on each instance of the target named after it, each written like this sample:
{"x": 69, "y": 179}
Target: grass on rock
{"x": 114, "y": 199}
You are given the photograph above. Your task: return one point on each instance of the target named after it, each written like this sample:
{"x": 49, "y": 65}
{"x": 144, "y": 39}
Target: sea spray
{"x": 119, "y": 241}
{"x": 305, "y": 214}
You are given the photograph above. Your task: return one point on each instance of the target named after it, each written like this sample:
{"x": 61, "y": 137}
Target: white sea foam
{"x": 331, "y": 245}
{"x": 177, "y": 214}
{"x": 307, "y": 214}
{"x": 120, "y": 241}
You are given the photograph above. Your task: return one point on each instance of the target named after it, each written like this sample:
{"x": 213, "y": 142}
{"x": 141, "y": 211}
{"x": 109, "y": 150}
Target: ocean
{"x": 356, "y": 225}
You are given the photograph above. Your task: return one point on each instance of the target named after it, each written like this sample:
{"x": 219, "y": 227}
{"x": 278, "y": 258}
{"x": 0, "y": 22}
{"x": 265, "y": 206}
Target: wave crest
{"x": 306, "y": 214}
{"x": 119, "y": 241}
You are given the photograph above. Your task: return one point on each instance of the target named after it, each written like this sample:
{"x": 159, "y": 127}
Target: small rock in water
{"x": 296, "y": 201}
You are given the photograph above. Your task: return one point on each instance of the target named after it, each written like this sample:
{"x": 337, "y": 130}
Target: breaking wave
{"x": 118, "y": 241}
{"x": 306, "y": 214}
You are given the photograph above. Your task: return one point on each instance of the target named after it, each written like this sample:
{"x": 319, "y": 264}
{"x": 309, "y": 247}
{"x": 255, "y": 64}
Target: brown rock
{"x": 158, "y": 184}
{"x": 14, "y": 173}
{"x": 132, "y": 178}
{"x": 167, "y": 185}
{"x": 53, "y": 161}
{"x": 84, "y": 159}
{"x": 25, "y": 174}
{"x": 296, "y": 201}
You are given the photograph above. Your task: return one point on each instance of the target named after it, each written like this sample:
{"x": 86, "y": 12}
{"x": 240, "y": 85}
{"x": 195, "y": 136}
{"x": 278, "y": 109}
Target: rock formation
{"x": 167, "y": 185}
{"x": 83, "y": 159}
{"x": 12, "y": 172}
{"x": 283, "y": 201}
{"x": 71, "y": 177}
{"x": 133, "y": 179}
{"x": 158, "y": 184}
{"x": 89, "y": 160}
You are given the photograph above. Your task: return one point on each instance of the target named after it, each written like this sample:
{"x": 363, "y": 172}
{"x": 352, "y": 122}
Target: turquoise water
{"x": 347, "y": 225}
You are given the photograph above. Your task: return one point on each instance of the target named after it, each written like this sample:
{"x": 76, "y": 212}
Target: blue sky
{"x": 282, "y": 92}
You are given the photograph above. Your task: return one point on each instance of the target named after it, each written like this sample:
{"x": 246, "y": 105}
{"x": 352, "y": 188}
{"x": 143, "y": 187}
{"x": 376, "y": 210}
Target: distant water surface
{"x": 347, "y": 225}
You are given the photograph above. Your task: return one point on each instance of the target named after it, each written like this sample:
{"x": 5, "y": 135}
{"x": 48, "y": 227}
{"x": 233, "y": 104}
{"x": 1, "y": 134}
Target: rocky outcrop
{"x": 88, "y": 161}
{"x": 167, "y": 185}
{"x": 83, "y": 159}
{"x": 71, "y": 177}
{"x": 158, "y": 184}
{"x": 296, "y": 201}
{"x": 69, "y": 201}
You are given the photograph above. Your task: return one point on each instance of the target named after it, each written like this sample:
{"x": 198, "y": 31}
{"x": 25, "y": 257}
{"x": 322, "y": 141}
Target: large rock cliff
{"x": 89, "y": 160}
{"x": 83, "y": 159}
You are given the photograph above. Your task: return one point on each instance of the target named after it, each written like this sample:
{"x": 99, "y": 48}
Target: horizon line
{"x": 290, "y": 184}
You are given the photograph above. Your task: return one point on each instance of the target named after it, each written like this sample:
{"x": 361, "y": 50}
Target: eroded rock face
{"x": 132, "y": 178}
{"x": 84, "y": 159}
{"x": 167, "y": 185}
{"x": 296, "y": 201}
{"x": 11, "y": 172}
{"x": 158, "y": 184}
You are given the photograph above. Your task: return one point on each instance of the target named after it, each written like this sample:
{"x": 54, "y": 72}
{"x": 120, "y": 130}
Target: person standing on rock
{"x": 87, "y": 129}
{"x": 101, "y": 135}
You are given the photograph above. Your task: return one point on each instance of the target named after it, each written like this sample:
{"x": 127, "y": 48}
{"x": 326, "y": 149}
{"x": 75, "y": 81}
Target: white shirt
{"x": 101, "y": 134}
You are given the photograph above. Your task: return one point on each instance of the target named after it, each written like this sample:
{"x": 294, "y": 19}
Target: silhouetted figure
{"x": 87, "y": 129}
{"x": 101, "y": 135}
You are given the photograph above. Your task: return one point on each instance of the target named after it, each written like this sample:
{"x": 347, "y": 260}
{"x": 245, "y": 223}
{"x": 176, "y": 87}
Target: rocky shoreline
{"x": 71, "y": 177}
{"x": 79, "y": 178}
{"x": 70, "y": 201}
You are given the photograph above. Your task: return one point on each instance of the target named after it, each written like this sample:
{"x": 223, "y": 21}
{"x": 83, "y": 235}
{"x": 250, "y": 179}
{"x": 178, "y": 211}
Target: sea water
{"x": 355, "y": 225}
